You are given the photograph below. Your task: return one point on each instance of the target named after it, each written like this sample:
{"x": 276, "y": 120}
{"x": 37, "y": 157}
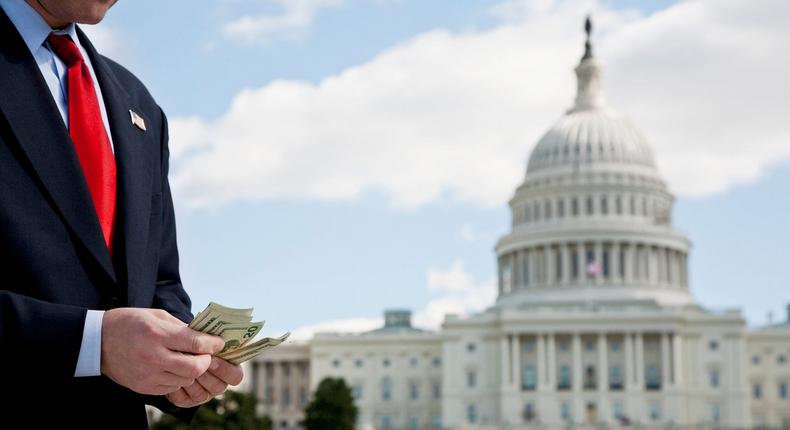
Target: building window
{"x": 529, "y": 412}
{"x": 589, "y": 378}
{"x": 529, "y": 346}
{"x": 757, "y": 391}
{"x": 286, "y": 397}
{"x": 564, "y": 345}
{"x": 632, "y": 206}
{"x": 615, "y": 345}
{"x": 414, "y": 423}
{"x": 357, "y": 391}
{"x": 617, "y": 411}
{"x": 437, "y": 390}
{"x": 590, "y": 205}
{"x": 653, "y": 377}
{"x": 574, "y": 264}
{"x": 525, "y": 269}
{"x": 715, "y": 413}
{"x": 414, "y": 391}
{"x": 547, "y": 209}
{"x": 358, "y": 362}
{"x": 437, "y": 362}
{"x": 618, "y": 205}
{"x": 386, "y": 362}
{"x": 565, "y": 377}
{"x": 606, "y": 263}
{"x": 713, "y": 377}
{"x": 575, "y": 207}
{"x": 536, "y": 211}
{"x": 336, "y": 363}
{"x": 783, "y": 390}
{"x": 471, "y": 347}
{"x": 713, "y": 345}
{"x": 413, "y": 362}
{"x": 386, "y": 422}
{"x": 386, "y": 388}
{"x": 471, "y": 414}
{"x": 528, "y": 378}
{"x": 560, "y": 208}
{"x": 781, "y": 359}
{"x": 565, "y": 411}
{"x": 604, "y": 206}
{"x": 615, "y": 378}
{"x": 302, "y": 396}
{"x": 655, "y": 411}
{"x": 471, "y": 378}
{"x": 589, "y": 345}
{"x": 436, "y": 422}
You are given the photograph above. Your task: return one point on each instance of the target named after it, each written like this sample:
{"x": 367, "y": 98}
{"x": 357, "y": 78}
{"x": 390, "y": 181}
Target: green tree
{"x": 332, "y": 407}
{"x": 232, "y": 411}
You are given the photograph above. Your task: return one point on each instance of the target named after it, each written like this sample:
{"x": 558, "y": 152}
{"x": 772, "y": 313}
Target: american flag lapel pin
{"x": 137, "y": 120}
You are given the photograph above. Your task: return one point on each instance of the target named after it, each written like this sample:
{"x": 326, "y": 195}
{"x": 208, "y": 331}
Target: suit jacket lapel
{"x": 132, "y": 154}
{"x": 35, "y": 120}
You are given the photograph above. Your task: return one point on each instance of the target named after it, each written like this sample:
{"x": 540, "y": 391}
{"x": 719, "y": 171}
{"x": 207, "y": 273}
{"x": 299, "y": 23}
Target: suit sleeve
{"x": 170, "y": 294}
{"x": 38, "y": 328}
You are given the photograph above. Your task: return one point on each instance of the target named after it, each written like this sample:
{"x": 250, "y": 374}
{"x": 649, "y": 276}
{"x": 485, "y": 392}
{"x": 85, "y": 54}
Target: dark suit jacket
{"x": 54, "y": 265}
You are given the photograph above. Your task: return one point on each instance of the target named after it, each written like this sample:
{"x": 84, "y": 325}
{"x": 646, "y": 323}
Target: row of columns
{"x": 633, "y": 350}
{"x": 620, "y": 263}
{"x": 563, "y": 207}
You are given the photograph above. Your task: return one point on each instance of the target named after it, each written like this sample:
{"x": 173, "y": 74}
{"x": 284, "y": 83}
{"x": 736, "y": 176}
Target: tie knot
{"x": 65, "y": 49}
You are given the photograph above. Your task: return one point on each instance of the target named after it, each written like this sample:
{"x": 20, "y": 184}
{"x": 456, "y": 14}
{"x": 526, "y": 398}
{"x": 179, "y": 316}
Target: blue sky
{"x": 303, "y": 256}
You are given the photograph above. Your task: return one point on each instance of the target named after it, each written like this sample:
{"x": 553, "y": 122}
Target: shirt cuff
{"x": 89, "y": 360}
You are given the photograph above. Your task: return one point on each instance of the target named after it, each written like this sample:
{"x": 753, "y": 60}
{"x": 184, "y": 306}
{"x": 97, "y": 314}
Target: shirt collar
{"x": 31, "y": 26}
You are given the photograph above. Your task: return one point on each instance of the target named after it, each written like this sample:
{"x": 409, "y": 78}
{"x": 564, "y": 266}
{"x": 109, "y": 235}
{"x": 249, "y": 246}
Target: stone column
{"x": 581, "y": 264}
{"x": 640, "y": 361}
{"x": 566, "y": 264}
{"x": 550, "y": 263}
{"x": 677, "y": 360}
{"x": 533, "y": 268}
{"x": 504, "y": 351}
{"x": 552, "y": 361}
{"x": 630, "y": 379}
{"x": 652, "y": 270}
{"x": 540, "y": 373}
{"x": 518, "y": 276}
{"x": 629, "y": 262}
{"x": 576, "y": 349}
{"x": 516, "y": 361}
{"x": 603, "y": 363}
{"x": 665, "y": 364}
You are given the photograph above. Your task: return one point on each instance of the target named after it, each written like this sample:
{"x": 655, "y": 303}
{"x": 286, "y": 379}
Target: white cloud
{"x": 456, "y": 292}
{"x": 296, "y": 16}
{"x": 109, "y": 42}
{"x": 452, "y": 116}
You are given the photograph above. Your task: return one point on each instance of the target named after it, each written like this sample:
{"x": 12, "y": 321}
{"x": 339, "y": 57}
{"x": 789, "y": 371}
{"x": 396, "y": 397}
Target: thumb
{"x": 184, "y": 339}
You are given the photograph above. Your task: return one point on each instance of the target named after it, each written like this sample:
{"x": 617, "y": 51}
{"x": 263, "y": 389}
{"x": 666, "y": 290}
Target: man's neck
{"x": 53, "y": 22}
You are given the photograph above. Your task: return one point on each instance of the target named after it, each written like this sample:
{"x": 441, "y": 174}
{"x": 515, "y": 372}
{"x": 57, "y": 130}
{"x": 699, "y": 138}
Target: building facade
{"x": 594, "y": 324}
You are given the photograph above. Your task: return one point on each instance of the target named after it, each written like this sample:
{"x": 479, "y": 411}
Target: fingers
{"x": 160, "y": 389}
{"x": 186, "y": 365}
{"x": 228, "y": 373}
{"x": 197, "y": 393}
{"x": 168, "y": 378}
{"x": 212, "y": 384}
{"x": 185, "y": 339}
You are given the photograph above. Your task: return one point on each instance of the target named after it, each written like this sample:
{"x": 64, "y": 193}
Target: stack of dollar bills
{"x": 238, "y": 330}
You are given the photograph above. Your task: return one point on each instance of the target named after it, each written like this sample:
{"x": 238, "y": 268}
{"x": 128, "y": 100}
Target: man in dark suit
{"x": 92, "y": 310}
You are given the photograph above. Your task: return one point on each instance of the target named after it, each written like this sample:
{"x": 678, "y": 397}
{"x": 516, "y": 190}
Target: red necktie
{"x": 88, "y": 134}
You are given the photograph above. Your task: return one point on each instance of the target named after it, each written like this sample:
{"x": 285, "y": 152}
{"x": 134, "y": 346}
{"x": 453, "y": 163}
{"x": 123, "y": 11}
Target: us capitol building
{"x": 594, "y": 325}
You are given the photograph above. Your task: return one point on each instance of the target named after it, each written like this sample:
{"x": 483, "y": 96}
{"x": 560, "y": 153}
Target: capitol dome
{"x": 592, "y": 221}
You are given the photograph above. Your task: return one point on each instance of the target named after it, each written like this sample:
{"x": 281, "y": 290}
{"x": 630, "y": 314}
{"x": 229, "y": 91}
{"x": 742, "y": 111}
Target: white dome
{"x": 591, "y": 136}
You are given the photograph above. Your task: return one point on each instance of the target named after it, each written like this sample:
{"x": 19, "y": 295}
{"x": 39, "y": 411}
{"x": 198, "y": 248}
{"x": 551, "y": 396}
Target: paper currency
{"x": 235, "y": 326}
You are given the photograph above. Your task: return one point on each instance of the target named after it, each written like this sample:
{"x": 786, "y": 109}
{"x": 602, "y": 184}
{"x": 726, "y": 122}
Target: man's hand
{"x": 151, "y": 352}
{"x": 208, "y": 385}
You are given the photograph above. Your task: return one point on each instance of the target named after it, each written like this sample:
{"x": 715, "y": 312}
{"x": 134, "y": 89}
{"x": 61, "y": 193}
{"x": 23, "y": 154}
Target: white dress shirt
{"x": 34, "y": 30}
